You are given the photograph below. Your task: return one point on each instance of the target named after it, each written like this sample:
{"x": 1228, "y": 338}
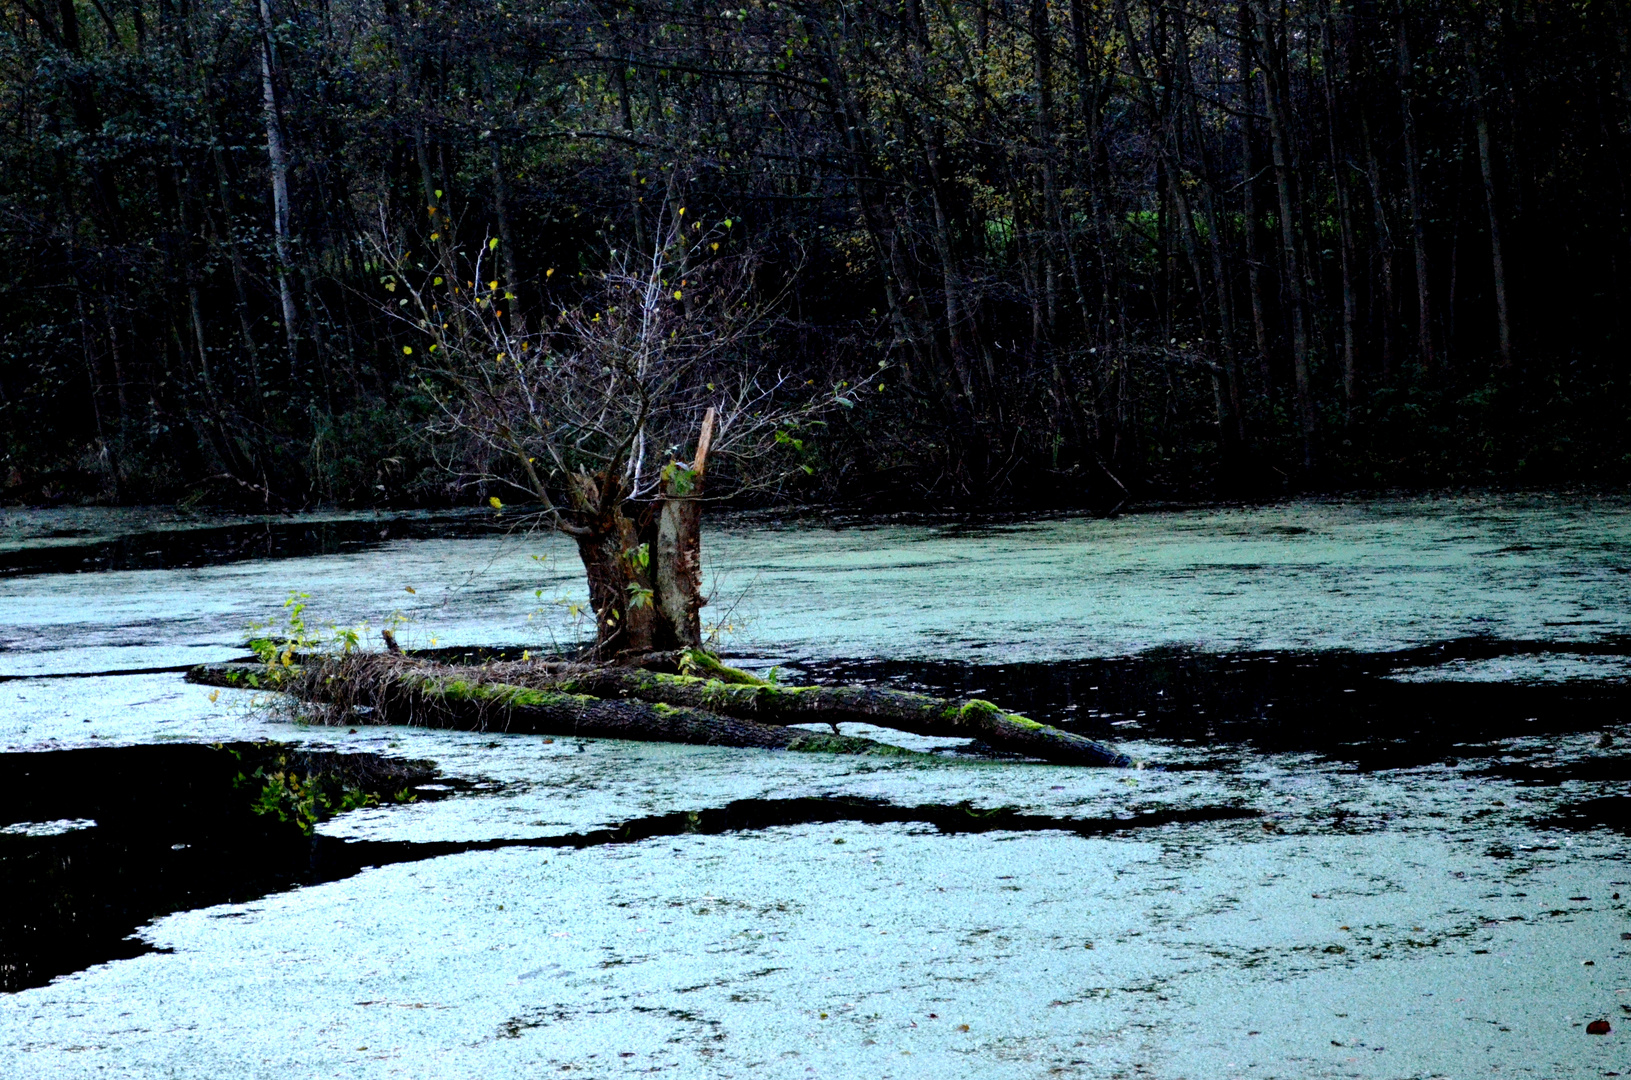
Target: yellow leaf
{"x": 494, "y": 502}
{"x": 214, "y": 694}
{"x": 549, "y": 273}
{"x": 677, "y": 294}
{"x": 435, "y": 236}
{"x": 715, "y": 245}
{"x": 411, "y": 589}
{"x": 492, "y": 244}
{"x": 438, "y": 281}
{"x": 407, "y": 350}
{"x": 492, "y": 284}
{"x": 682, "y": 211}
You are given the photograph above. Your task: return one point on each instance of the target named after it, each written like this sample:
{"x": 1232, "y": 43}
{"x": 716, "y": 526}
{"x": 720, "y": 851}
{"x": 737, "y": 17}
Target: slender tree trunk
{"x": 1295, "y": 289}
{"x": 182, "y": 182}
{"x": 1234, "y": 429}
{"x": 1385, "y": 252}
{"x": 240, "y": 274}
{"x": 88, "y": 351}
{"x": 278, "y": 162}
{"x": 1418, "y": 231}
{"x": 1248, "y": 185}
{"x": 1339, "y": 178}
{"x": 121, "y": 391}
{"x": 506, "y": 243}
{"x": 1503, "y": 323}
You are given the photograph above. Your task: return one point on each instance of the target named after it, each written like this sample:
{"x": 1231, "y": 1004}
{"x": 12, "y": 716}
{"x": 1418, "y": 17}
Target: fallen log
{"x": 753, "y": 699}
{"x": 706, "y": 705}
{"x": 361, "y": 690}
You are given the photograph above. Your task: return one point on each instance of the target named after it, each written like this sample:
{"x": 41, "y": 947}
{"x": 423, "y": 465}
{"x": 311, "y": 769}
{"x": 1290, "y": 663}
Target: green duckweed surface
{"x": 1419, "y": 918}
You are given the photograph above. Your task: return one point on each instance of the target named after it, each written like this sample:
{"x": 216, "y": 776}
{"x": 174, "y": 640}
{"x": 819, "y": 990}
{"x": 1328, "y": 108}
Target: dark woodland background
{"x": 1059, "y": 251}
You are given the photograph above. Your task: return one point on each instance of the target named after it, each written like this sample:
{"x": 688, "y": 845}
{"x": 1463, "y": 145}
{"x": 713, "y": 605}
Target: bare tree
{"x": 615, "y": 414}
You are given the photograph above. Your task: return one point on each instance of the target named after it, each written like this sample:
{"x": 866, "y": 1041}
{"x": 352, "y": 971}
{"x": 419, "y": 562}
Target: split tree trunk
{"x": 643, "y": 560}
{"x": 678, "y": 576}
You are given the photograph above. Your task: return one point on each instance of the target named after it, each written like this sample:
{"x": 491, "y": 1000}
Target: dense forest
{"x": 1036, "y": 251}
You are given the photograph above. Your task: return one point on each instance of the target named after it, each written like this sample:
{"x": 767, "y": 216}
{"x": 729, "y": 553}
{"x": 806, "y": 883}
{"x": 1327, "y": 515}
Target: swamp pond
{"x": 1388, "y": 837}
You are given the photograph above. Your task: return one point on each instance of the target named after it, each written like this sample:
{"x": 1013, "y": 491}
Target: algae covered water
{"x": 1389, "y": 839}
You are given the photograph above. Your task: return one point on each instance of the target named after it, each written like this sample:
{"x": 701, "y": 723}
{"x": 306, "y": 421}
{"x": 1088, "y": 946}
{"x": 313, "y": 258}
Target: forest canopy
{"x": 1037, "y": 252}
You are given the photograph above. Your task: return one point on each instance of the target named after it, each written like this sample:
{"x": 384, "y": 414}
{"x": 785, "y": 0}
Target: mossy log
{"x": 677, "y": 707}
{"x": 770, "y": 703}
{"x": 361, "y": 689}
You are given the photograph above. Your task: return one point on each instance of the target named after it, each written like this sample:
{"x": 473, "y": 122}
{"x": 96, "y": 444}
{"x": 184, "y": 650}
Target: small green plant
{"x": 680, "y": 479}
{"x": 279, "y": 643}
{"x": 295, "y": 791}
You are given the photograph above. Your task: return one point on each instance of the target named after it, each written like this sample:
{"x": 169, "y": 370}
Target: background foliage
{"x": 1101, "y": 245}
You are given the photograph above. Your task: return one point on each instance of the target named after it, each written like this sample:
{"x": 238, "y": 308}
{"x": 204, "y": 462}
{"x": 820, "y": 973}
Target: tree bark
{"x": 678, "y": 576}
{"x": 617, "y": 565}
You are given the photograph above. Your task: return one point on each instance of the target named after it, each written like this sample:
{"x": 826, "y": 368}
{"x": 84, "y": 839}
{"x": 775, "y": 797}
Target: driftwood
{"x": 709, "y": 704}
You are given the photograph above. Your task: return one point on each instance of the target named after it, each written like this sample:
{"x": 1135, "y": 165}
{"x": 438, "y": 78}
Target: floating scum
{"x": 683, "y": 697}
